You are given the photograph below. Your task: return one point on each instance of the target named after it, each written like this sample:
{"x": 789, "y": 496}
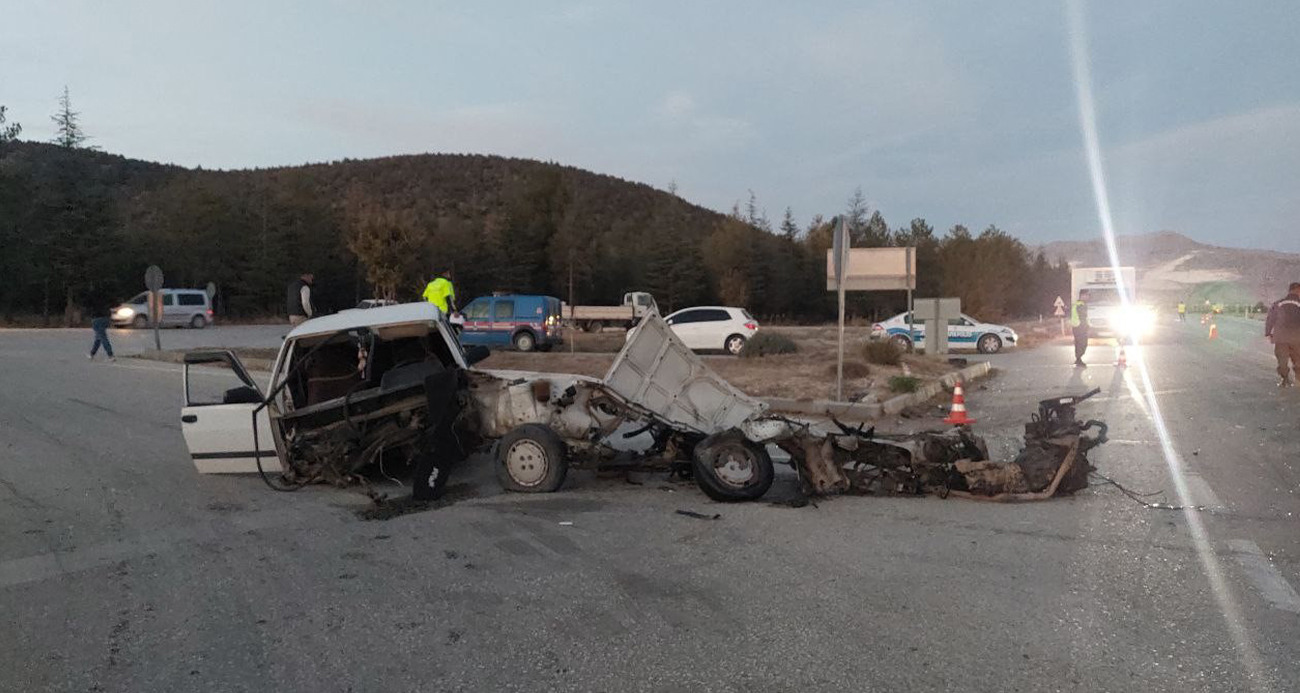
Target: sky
{"x": 954, "y": 111}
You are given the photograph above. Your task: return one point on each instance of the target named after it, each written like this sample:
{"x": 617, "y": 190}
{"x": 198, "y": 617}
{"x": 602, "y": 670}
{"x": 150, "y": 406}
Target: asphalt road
{"x": 123, "y": 570}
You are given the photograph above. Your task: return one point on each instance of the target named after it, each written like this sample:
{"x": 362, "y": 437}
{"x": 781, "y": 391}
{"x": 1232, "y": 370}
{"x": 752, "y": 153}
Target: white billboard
{"x": 874, "y": 269}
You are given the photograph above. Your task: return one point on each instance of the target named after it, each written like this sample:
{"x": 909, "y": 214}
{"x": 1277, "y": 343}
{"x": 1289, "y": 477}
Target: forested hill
{"x": 78, "y": 226}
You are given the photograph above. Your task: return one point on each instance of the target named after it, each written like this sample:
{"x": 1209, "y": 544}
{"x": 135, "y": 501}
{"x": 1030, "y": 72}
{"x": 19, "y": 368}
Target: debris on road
{"x": 700, "y": 516}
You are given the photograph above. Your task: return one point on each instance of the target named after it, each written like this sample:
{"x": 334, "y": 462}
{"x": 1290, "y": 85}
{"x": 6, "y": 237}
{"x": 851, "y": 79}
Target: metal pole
{"x": 155, "y": 298}
{"x": 911, "y": 336}
{"x": 574, "y": 336}
{"x": 839, "y": 365}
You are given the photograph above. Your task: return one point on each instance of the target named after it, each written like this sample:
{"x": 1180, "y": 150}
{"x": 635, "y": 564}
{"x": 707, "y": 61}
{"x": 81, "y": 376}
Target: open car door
{"x": 217, "y": 419}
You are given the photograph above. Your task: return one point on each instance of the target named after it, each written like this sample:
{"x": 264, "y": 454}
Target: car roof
{"x": 380, "y": 316}
{"x": 682, "y": 310}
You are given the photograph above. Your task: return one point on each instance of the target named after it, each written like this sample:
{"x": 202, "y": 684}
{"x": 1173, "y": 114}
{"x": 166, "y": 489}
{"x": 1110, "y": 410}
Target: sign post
{"x": 841, "y": 251}
{"x": 935, "y": 313}
{"x": 865, "y": 269}
{"x": 1060, "y": 312}
{"x": 153, "y": 281}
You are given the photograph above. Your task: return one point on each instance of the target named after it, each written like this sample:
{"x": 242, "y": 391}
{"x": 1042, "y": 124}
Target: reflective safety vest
{"x": 438, "y": 291}
{"x": 1075, "y": 321}
{"x": 1182, "y": 307}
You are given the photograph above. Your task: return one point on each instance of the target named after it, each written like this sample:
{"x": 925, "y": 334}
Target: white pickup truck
{"x": 595, "y": 318}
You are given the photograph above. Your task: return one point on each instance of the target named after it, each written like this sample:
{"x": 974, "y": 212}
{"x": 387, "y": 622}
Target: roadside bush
{"x": 903, "y": 384}
{"x": 885, "y": 353}
{"x": 853, "y": 370}
{"x": 767, "y": 344}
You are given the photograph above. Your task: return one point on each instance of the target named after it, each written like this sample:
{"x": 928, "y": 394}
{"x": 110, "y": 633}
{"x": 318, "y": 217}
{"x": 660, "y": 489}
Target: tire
{"x": 525, "y": 341}
{"x": 734, "y": 344}
{"x": 140, "y": 322}
{"x": 531, "y": 459}
{"x": 593, "y": 326}
{"x": 989, "y": 344}
{"x": 430, "y": 476}
{"x": 198, "y": 322}
{"x": 901, "y": 342}
{"x": 729, "y": 468}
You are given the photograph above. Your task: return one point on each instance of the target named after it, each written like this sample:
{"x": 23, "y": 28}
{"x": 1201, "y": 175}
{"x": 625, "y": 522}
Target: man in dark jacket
{"x": 298, "y": 299}
{"x": 1283, "y": 329}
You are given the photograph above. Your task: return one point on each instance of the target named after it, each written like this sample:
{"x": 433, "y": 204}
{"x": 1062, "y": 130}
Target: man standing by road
{"x": 440, "y": 292}
{"x": 1182, "y": 312}
{"x": 1079, "y": 323}
{"x": 298, "y": 299}
{"x": 1283, "y": 329}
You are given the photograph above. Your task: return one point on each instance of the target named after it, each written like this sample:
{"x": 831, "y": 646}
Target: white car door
{"x": 217, "y": 419}
{"x": 961, "y": 333}
{"x": 687, "y": 327}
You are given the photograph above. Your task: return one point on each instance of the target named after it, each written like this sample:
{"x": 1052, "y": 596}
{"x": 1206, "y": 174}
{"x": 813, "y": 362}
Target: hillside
{"x": 1172, "y": 267}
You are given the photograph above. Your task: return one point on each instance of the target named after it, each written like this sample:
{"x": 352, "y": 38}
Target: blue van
{"x": 525, "y": 322}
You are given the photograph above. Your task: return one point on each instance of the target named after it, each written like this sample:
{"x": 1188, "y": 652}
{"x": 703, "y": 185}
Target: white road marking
{"x": 1199, "y": 491}
{"x": 1266, "y": 577}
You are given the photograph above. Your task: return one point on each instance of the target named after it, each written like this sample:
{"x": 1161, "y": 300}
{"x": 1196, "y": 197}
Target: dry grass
{"x": 809, "y": 374}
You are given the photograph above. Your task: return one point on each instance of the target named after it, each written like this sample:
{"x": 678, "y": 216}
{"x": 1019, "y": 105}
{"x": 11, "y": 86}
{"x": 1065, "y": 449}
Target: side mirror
{"x": 476, "y": 353}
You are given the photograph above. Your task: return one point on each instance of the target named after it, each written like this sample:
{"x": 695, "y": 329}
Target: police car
{"x": 963, "y": 333}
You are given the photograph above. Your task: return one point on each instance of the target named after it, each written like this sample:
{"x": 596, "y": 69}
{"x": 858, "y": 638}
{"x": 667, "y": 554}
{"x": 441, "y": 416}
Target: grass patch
{"x": 882, "y": 352}
{"x": 853, "y": 370}
{"x": 768, "y": 344}
{"x": 903, "y": 384}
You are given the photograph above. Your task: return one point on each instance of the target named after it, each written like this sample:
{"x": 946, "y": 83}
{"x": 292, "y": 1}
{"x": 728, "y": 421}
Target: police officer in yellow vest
{"x": 1079, "y": 323}
{"x": 1182, "y": 312}
{"x": 440, "y": 292}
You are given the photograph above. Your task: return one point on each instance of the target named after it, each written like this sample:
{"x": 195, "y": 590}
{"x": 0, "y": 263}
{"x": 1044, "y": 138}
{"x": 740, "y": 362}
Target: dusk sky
{"x": 955, "y": 111}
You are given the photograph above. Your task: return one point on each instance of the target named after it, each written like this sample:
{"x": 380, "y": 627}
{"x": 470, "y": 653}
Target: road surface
{"x": 123, "y": 570}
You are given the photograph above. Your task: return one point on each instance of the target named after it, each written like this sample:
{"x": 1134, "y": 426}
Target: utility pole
{"x": 573, "y": 336}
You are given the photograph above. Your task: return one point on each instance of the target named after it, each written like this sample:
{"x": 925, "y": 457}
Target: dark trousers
{"x": 1182, "y": 317}
{"x": 100, "y": 326}
{"x": 1080, "y": 342}
{"x": 1284, "y": 353}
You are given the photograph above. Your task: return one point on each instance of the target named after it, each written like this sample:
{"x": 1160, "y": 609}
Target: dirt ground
{"x": 808, "y": 374}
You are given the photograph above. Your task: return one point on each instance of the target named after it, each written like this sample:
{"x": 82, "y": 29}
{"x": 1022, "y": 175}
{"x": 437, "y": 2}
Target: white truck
{"x": 594, "y": 318}
{"x": 1108, "y": 313}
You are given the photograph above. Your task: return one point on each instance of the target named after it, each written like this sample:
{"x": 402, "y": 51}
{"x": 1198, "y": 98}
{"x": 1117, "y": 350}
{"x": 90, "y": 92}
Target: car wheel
{"x": 729, "y": 467}
{"x": 430, "y": 476}
{"x": 903, "y": 343}
{"x": 531, "y": 459}
{"x": 989, "y": 344}
{"x": 594, "y": 326}
{"x": 734, "y": 344}
{"x": 198, "y": 322}
{"x": 524, "y": 341}
{"x": 140, "y": 322}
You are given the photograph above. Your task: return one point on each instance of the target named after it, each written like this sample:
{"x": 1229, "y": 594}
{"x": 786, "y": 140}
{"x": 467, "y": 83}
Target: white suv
{"x": 713, "y": 327}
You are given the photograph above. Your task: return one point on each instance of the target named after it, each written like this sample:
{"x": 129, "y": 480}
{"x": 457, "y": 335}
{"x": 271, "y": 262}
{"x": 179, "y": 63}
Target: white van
{"x": 181, "y": 308}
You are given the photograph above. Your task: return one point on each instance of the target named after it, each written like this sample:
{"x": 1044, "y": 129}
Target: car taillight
{"x": 877, "y": 327}
{"x": 751, "y": 325}
{"x": 210, "y": 312}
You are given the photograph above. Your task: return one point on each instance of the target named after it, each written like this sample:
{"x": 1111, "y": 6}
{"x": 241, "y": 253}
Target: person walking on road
{"x": 99, "y": 323}
{"x": 1182, "y": 312}
{"x": 441, "y": 292}
{"x": 298, "y": 299}
{"x": 1283, "y": 329}
{"x": 1079, "y": 324}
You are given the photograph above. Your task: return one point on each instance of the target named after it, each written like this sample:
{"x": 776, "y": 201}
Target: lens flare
{"x": 1143, "y": 392}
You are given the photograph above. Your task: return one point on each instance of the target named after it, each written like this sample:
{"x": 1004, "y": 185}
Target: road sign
{"x": 839, "y": 246}
{"x": 1060, "y": 303}
{"x": 211, "y": 290}
{"x": 153, "y": 278}
{"x": 874, "y": 269}
{"x": 1060, "y": 312}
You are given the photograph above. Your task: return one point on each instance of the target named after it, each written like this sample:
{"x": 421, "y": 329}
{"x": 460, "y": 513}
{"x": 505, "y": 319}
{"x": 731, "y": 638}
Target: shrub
{"x": 767, "y": 344}
{"x": 883, "y": 352}
{"x": 853, "y": 370}
{"x": 904, "y": 384}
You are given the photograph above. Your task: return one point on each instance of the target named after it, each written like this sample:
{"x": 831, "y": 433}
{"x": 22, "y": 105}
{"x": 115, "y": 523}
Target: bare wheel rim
{"x": 735, "y": 466}
{"x": 526, "y": 461}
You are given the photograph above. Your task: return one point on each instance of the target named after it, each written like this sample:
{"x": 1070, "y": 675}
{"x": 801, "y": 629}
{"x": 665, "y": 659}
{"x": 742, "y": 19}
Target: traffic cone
{"x": 1214, "y": 330}
{"x": 958, "y": 416}
{"x": 1123, "y": 360}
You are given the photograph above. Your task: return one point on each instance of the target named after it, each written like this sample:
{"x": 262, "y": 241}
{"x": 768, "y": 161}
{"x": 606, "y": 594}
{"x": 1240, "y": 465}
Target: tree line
{"x": 79, "y": 225}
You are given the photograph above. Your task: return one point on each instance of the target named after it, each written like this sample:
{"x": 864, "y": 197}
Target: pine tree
{"x": 788, "y": 228}
{"x": 8, "y": 133}
{"x": 67, "y": 126}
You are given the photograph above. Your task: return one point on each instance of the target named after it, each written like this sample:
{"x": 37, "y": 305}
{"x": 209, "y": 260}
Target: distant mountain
{"x": 1172, "y": 266}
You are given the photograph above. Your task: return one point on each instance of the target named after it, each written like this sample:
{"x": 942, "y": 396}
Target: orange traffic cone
{"x": 958, "y": 416}
{"x": 1214, "y": 330}
{"x": 1123, "y": 360}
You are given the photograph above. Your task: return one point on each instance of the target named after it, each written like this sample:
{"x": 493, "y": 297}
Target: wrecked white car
{"x": 392, "y": 386}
